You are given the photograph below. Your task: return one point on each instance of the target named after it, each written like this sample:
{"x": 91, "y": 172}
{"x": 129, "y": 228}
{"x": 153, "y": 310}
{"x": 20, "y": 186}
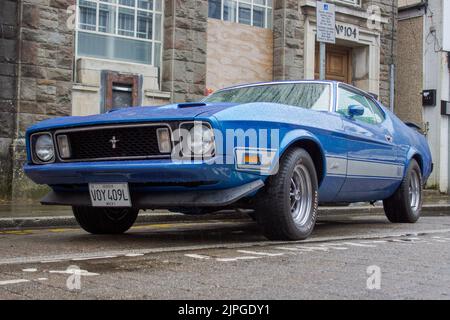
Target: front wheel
{"x": 105, "y": 220}
{"x": 287, "y": 207}
{"x": 405, "y": 204}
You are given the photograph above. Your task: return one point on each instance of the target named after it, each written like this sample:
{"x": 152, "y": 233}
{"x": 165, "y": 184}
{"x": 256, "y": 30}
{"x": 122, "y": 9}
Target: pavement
{"x": 360, "y": 256}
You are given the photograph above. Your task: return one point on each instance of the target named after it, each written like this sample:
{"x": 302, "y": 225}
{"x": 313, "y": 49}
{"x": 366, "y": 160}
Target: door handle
{"x": 388, "y": 138}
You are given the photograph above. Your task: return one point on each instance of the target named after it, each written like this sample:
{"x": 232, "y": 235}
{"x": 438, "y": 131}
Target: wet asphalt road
{"x": 362, "y": 257}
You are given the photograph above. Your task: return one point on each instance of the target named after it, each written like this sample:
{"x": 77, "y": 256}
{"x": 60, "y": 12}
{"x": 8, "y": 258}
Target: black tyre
{"x": 405, "y": 204}
{"x": 286, "y": 208}
{"x": 105, "y": 220}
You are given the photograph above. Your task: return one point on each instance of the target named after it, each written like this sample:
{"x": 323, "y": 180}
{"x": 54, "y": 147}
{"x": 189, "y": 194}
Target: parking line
{"x": 15, "y": 281}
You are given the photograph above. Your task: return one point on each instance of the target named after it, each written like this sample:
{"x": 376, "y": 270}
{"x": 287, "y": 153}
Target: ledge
{"x": 158, "y": 94}
{"x": 84, "y": 87}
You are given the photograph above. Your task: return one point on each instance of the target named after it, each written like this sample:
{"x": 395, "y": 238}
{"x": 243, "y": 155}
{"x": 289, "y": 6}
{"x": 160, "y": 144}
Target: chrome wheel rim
{"x": 414, "y": 191}
{"x": 300, "y": 195}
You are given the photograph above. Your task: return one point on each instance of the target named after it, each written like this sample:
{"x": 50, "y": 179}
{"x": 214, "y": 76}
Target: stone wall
{"x": 184, "y": 54}
{"x": 44, "y": 76}
{"x": 388, "y": 45}
{"x": 288, "y": 35}
{"x": 8, "y": 81}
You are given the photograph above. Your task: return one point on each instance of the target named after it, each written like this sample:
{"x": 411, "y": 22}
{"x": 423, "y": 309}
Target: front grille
{"x": 114, "y": 142}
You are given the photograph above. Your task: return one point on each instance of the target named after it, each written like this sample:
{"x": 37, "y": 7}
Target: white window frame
{"x": 116, "y": 5}
{"x": 351, "y": 2}
{"x": 252, "y": 5}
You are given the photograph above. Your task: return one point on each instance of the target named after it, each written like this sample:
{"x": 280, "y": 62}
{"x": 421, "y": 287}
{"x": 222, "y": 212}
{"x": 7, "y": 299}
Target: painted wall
{"x": 237, "y": 54}
{"x": 436, "y": 74}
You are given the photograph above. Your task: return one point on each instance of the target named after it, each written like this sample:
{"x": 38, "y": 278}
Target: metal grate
{"x": 109, "y": 143}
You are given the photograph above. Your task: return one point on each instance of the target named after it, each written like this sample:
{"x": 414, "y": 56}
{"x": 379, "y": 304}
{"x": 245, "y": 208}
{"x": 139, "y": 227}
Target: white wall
{"x": 436, "y": 77}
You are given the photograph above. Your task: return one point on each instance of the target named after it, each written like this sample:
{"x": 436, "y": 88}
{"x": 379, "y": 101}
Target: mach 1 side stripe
{"x": 359, "y": 168}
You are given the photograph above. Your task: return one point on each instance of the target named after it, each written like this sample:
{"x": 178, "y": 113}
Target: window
{"x": 372, "y": 114}
{"x": 256, "y": 13}
{"x": 354, "y": 2}
{"x": 314, "y": 96}
{"x": 128, "y": 30}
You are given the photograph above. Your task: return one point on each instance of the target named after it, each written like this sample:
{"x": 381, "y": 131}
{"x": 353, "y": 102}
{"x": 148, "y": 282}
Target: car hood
{"x": 181, "y": 111}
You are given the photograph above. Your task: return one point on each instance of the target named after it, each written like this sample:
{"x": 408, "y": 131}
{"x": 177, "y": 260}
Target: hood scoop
{"x": 191, "y": 104}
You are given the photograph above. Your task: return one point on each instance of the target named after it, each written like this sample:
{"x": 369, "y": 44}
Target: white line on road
{"x": 134, "y": 255}
{"x": 260, "y": 253}
{"x": 354, "y": 244}
{"x": 237, "y": 258}
{"x": 94, "y": 258}
{"x": 15, "y": 281}
{"x": 29, "y": 270}
{"x": 197, "y": 256}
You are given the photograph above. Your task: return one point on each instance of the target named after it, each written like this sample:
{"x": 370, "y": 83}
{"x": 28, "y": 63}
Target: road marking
{"x": 134, "y": 254}
{"x": 197, "y": 256}
{"x": 94, "y": 258}
{"x": 267, "y": 254}
{"x": 289, "y": 249}
{"x": 354, "y": 244}
{"x": 334, "y": 246}
{"x": 237, "y": 258}
{"x": 42, "y": 279}
{"x": 4, "y": 283}
{"x": 29, "y": 270}
{"x": 75, "y": 271}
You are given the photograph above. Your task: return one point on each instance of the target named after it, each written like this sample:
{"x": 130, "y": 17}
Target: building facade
{"x": 423, "y": 86}
{"x": 81, "y": 57}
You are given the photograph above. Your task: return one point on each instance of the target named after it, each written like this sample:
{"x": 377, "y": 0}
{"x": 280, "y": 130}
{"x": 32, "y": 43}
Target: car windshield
{"x": 314, "y": 96}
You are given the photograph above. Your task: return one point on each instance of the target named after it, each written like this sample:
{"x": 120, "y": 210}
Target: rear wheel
{"x": 405, "y": 204}
{"x": 105, "y": 220}
{"x": 287, "y": 207}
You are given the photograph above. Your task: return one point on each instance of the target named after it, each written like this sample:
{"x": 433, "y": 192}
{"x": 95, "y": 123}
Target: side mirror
{"x": 355, "y": 110}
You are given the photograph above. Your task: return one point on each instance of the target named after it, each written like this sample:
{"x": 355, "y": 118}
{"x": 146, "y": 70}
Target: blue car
{"x": 279, "y": 148}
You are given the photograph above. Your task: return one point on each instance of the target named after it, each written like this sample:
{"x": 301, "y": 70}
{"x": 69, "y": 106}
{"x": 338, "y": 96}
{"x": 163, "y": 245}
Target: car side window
{"x": 348, "y": 98}
{"x": 379, "y": 115}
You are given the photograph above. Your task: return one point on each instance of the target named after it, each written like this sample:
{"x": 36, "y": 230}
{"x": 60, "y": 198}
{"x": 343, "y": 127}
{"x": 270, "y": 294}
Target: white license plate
{"x": 109, "y": 194}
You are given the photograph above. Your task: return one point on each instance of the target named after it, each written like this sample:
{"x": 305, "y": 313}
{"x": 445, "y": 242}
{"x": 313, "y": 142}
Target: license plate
{"x": 109, "y": 194}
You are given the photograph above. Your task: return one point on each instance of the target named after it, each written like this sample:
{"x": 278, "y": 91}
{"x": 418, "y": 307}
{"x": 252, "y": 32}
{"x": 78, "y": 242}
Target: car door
{"x": 372, "y": 167}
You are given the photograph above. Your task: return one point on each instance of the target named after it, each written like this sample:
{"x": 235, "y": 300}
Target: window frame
{"x": 362, "y": 93}
{"x": 356, "y": 3}
{"x": 116, "y": 5}
{"x": 252, "y": 4}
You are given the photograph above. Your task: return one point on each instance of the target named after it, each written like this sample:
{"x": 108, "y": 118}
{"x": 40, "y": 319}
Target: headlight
{"x": 43, "y": 147}
{"x": 198, "y": 140}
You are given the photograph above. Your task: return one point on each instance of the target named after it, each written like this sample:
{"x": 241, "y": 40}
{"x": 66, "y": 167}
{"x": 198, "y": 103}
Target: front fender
{"x": 299, "y": 136}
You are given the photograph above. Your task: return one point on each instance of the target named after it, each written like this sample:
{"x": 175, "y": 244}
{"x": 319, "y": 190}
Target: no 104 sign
{"x": 347, "y": 31}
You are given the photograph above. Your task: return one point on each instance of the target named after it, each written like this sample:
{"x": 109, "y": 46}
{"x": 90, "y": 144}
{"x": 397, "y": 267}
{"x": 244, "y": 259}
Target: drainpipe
{"x": 392, "y": 66}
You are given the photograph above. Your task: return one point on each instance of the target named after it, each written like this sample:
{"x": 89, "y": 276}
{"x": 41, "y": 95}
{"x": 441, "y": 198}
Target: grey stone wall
{"x": 8, "y": 81}
{"x": 388, "y": 50}
{"x": 184, "y": 54}
{"x": 43, "y": 78}
{"x": 288, "y": 35}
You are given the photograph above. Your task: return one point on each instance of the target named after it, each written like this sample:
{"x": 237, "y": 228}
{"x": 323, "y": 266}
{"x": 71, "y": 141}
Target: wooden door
{"x": 338, "y": 65}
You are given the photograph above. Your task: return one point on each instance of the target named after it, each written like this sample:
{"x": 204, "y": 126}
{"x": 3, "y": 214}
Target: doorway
{"x": 338, "y": 63}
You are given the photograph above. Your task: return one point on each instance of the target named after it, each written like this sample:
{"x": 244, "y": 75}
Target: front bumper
{"x": 156, "y": 173}
{"x": 164, "y": 199}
